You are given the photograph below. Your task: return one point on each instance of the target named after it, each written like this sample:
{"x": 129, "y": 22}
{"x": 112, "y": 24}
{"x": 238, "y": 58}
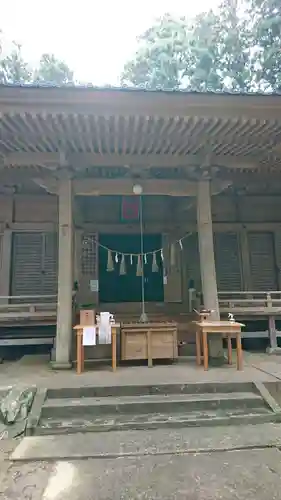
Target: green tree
{"x": 160, "y": 59}
{"x": 267, "y": 43}
{"x": 236, "y": 48}
{"x": 219, "y": 55}
{"x": 13, "y": 67}
{"x": 52, "y": 70}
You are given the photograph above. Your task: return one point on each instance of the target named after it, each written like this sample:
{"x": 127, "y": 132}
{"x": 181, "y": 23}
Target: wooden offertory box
{"x": 149, "y": 341}
{"x": 87, "y": 317}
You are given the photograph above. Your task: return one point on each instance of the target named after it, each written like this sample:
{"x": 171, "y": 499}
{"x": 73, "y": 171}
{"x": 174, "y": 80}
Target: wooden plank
{"x": 10, "y": 342}
{"x": 22, "y": 315}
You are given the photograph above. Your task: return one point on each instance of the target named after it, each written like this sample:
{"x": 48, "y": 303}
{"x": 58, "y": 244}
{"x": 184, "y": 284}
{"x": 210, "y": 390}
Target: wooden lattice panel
{"x": 89, "y": 255}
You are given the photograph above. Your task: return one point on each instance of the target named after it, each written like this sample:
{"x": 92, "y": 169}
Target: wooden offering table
{"x": 81, "y": 348}
{"x": 149, "y": 341}
{"x": 226, "y": 328}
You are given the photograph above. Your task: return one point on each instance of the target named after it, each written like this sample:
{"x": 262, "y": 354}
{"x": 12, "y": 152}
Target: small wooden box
{"x": 87, "y": 317}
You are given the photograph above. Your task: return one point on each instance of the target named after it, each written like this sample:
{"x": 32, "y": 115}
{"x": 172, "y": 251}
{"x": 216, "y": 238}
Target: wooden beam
{"x": 259, "y": 178}
{"x": 124, "y": 187}
{"x": 181, "y": 227}
{"x": 83, "y": 160}
{"x": 133, "y": 228}
{"x": 110, "y": 102}
{"x": 16, "y": 176}
{"x": 22, "y": 159}
{"x": 33, "y": 226}
{"x": 99, "y": 187}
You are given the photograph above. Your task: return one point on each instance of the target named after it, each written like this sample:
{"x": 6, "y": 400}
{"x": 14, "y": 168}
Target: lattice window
{"x": 89, "y": 254}
{"x": 262, "y": 261}
{"x": 227, "y": 258}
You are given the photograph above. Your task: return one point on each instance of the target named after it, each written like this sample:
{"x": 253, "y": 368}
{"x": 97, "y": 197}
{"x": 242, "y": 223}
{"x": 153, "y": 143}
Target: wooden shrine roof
{"x": 44, "y": 129}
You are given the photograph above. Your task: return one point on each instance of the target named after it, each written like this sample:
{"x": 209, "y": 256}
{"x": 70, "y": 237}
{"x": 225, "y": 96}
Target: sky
{"x": 95, "y": 37}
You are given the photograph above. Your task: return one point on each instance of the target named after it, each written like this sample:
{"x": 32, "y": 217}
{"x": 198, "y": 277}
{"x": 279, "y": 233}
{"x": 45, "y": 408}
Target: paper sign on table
{"x": 89, "y": 335}
{"x": 105, "y": 328}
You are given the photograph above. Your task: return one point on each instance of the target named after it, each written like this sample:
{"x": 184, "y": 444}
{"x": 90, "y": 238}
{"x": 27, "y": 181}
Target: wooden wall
{"x": 161, "y": 210}
{"x": 242, "y": 215}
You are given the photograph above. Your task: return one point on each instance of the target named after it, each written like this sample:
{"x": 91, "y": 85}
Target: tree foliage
{"x": 267, "y": 40}
{"x": 15, "y": 69}
{"x": 160, "y": 60}
{"x": 236, "y": 48}
{"x": 53, "y": 70}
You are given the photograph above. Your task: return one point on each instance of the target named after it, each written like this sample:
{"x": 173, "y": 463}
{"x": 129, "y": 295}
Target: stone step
{"x": 142, "y": 390}
{"x": 87, "y": 423}
{"x": 140, "y": 442}
{"x": 135, "y": 405}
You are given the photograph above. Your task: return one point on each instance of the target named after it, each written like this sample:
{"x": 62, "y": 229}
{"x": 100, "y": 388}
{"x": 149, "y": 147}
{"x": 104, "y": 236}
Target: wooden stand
{"x": 228, "y": 328}
{"x": 149, "y": 341}
{"x": 81, "y": 349}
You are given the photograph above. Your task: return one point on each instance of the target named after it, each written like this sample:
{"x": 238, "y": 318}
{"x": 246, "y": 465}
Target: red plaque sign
{"x": 130, "y": 208}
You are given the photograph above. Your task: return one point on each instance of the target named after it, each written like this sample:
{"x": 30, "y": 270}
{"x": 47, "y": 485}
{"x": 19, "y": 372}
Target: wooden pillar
{"x": 6, "y": 258}
{"x": 273, "y": 344}
{"x": 65, "y": 277}
{"x": 206, "y": 249}
{"x": 207, "y": 262}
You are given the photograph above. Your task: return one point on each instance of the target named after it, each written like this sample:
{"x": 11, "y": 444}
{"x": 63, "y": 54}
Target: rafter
{"x": 106, "y": 128}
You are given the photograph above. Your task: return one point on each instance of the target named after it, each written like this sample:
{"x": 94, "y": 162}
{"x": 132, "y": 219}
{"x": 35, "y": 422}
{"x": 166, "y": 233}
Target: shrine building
{"x": 85, "y": 170}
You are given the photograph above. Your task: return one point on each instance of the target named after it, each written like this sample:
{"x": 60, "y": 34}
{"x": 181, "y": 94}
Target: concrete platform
{"x": 256, "y": 368}
{"x": 243, "y": 475}
{"x": 160, "y": 441}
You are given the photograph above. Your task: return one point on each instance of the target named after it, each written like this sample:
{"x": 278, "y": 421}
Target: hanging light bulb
{"x": 137, "y": 189}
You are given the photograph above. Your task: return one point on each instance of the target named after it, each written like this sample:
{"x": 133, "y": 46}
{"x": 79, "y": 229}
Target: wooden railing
{"x": 256, "y": 303}
{"x": 40, "y": 307}
{"x": 28, "y": 307}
